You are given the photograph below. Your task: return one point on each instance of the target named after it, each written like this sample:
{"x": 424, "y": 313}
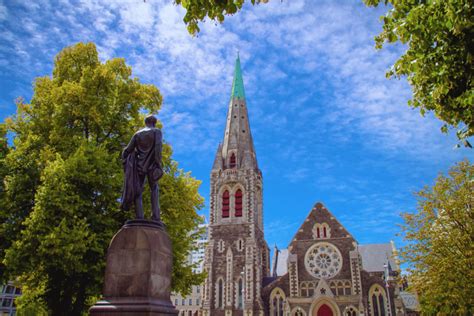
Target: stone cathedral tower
{"x": 237, "y": 256}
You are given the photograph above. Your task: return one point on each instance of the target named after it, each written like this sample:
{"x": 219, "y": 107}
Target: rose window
{"x": 323, "y": 260}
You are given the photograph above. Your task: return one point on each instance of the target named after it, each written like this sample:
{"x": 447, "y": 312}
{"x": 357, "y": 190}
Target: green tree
{"x": 3, "y": 172}
{"x": 216, "y": 10}
{"x": 440, "y": 248}
{"x": 439, "y": 60}
{"x": 62, "y": 181}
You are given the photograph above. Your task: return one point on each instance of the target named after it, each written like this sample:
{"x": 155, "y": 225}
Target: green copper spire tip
{"x": 238, "y": 83}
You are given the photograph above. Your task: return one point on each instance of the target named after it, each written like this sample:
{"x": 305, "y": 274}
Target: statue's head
{"x": 150, "y": 121}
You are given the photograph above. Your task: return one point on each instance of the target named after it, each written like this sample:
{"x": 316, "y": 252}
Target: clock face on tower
{"x": 323, "y": 260}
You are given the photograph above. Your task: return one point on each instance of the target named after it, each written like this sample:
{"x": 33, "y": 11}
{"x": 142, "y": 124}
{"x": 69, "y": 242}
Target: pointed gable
{"x": 319, "y": 214}
{"x": 323, "y": 289}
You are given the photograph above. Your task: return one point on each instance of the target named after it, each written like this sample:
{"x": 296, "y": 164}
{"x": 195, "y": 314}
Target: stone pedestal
{"x": 138, "y": 272}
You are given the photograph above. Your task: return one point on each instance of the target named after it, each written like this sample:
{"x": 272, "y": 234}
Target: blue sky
{"x": 327, "y": 125}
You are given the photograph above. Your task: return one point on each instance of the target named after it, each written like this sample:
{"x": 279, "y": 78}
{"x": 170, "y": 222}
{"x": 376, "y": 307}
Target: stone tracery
{"x": 323, "y": 260}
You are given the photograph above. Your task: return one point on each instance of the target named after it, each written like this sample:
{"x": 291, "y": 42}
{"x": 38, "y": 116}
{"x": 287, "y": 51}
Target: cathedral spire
{"x": 237, "y": 148}
{"x": 237, "y": 256}
{"x": 238, "y": 83}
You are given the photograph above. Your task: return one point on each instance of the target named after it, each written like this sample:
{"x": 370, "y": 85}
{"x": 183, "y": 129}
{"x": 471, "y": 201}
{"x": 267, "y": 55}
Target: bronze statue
{"x": 142, "y": 159}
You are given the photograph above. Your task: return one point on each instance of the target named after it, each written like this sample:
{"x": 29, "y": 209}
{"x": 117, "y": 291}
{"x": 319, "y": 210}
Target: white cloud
{"x": 324, "y": 49}
{"x": 137, "y": 16}
{"x": 3, "y": 11}
{"x": 319, "y": 102}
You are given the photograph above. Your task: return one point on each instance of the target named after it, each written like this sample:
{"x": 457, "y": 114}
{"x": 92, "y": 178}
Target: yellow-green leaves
{"x": 440, "y": 251}
{"x": 62, "y": 181}
{"x": 216, "y": 10}
{"x": 439, "y": 61}
{"x": 73, "y": 61}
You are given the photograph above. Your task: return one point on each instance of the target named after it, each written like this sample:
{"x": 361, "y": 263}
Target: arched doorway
{"x": 324, "y": 310}
{"x": 324, "y": 306}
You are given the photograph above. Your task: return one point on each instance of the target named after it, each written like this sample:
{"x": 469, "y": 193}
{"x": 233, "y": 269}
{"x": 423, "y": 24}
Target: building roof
{"x": 410, "y": 301}
{"x": 375, "y": 256}
{"x": 268, "y": 280}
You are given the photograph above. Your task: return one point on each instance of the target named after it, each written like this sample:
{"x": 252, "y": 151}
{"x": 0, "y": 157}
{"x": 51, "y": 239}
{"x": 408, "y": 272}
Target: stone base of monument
{"x": 138, "y": 272}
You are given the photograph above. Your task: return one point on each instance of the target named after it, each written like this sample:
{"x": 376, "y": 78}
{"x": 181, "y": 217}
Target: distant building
{"x": 191, "y": 304}
{"x": 197, "y": 256}
{"x": 8, "y": 294}
{"x": 410, "y": 300}
{"x": 323, "y": 272}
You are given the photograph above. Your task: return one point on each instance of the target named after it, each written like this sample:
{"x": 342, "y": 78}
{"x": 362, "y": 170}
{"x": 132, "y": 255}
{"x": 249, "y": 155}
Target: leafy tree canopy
{"x": 439, "y": 60}
{"x": 62, "y": 179}
{"x": 441, "y": 244}
{"x": 216, "y": 10}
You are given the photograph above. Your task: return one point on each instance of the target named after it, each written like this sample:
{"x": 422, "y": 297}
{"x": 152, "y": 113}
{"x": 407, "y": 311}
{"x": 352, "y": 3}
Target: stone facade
{"x": 237, "y": 256}
{"x": 326, "y": 274}
{"x": 324, "y": 271}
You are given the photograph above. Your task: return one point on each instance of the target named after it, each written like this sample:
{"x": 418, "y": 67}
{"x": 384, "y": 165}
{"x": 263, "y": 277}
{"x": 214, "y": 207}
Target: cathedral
{"x": 323, "y": 272}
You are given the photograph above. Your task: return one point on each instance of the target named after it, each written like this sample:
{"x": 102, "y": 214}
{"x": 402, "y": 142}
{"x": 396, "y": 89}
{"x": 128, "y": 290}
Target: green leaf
{"x": 63, "y": 177}
{"x": 440, "y": 244}
{"x": 438, "y": 61}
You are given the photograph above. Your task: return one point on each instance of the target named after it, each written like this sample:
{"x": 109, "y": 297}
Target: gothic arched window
{"x": 225, "y": 203}
{"x": 340, "y": 288}
{"x": 333, "y": 286}
{"x": 240, "y": 294}
{"x": 307, "y": 289}
{"x": 347, "y": 288}
{"x": 321, "y": 231}
{"x": 232, "y": 161}
{"x": 238, "y": 203}
{"x": 221, "y": 246}
{"x": 220, "y": 294}
{"x": 299, "y": 312}
{"x": 350, "y": 311}
{"x": 240, "y": 244}
{"x": 277, "y": 300}
{"x": 378, "y": 301}
{"x": 375, "y": 307}
{"x": 304, "y": 289}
